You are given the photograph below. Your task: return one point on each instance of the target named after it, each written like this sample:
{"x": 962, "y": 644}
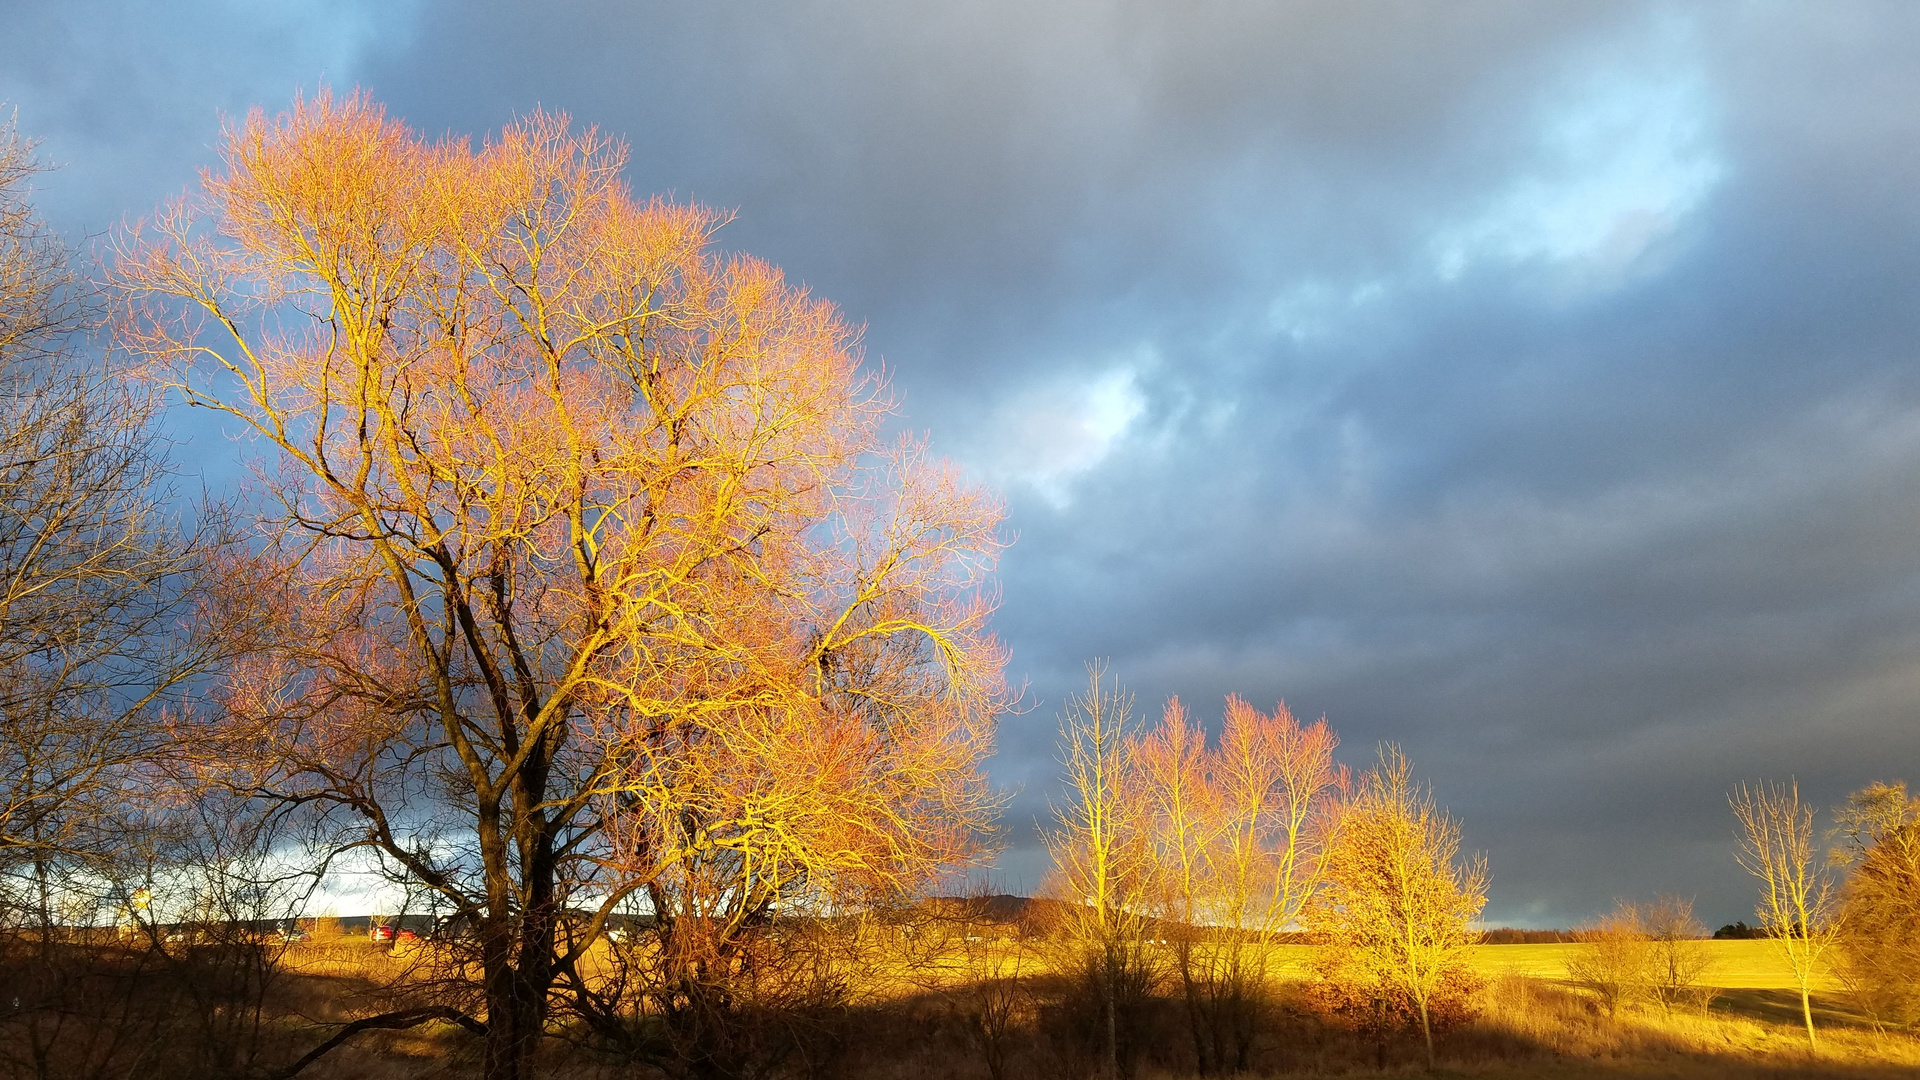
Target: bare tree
{"x": 995, "y": 996}
{"x": 96, "y": 579}
{"x": 1398, "y": 903}
{"x": 1612, "y": 957}
{"x": 1678, "y": 957}
{"x": 1798, "y": 900}
{"x": 1173, "y": 768}
{"x": 1103, "y": 859}
{"x": 1236, "y": 831}
{"x": 594, "y": 576}
{"x": 100, "y": 632}
{"x": 221, "y": 882}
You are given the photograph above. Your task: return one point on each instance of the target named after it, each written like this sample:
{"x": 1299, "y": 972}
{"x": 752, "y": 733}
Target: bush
{"x": 1677, "y": 959}
{"x": 1347, "y": 997}
{"x": 1653, "y": 952}
{"x": 1613, "y": 958}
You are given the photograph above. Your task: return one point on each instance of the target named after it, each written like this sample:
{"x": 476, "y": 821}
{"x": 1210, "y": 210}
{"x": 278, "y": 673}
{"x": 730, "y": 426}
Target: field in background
{"x": 1737, "y": 965}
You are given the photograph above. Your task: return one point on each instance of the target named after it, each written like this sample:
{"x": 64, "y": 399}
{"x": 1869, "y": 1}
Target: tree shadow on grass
{"x": 1782, "y": 1007}
{"x": 1527, "y": 1029}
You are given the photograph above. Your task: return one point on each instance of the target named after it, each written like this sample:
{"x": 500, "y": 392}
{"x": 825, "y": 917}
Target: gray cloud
{"x": 1529, "y": 384}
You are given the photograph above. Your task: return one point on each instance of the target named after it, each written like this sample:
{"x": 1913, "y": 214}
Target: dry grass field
{"x": 1530, "y": 1023}
{"x": 1737, "y": 965}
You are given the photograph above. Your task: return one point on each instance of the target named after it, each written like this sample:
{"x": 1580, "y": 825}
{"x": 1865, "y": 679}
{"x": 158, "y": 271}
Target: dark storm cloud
{"x": 1530, "y": 384}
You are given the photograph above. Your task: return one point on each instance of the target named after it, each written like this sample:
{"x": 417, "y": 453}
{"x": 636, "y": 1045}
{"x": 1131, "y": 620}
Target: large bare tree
{"x": 594, "y": 577}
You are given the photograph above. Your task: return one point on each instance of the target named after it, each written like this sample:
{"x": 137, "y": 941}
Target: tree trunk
{"x": 517, "y": 982}
{"x": 1806, "y": 1012}
{"x": 1196, "y": 1013}
{"x": 1113, "y": 1026}
{"x": 514, "y": 1025}
{"x": 1426, "y": 1032}
{"x": 1245, "y": 993}
{"x": 505, "y": 1055}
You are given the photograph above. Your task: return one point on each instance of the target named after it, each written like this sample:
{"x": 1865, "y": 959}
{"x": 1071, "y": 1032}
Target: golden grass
{"x": 1737, "y": 965}
{"x": 1745, "y": 1031}
{"x": 1531, "y": 1023}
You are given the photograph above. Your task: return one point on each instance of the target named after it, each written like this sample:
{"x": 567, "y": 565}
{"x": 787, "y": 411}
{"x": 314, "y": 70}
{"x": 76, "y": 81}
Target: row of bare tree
{"x": 1192, "y": 860}
{"x": 579, "y": 586}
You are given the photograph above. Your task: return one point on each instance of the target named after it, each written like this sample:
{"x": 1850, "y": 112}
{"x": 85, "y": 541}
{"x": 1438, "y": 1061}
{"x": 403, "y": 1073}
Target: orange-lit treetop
{"x": 590, "y": 569}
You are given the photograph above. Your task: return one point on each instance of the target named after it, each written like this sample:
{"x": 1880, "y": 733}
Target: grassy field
{"x": 1737, "y": 965}
{"x": 1529, "y": 1022}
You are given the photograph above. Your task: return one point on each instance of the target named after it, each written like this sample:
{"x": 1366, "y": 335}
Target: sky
{"x": 1530, "y": 385}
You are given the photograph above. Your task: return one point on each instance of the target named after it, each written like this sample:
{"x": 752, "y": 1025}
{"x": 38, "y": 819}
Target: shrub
{"x": 1613, "y": 959}
{"x": 1877, "y": 954}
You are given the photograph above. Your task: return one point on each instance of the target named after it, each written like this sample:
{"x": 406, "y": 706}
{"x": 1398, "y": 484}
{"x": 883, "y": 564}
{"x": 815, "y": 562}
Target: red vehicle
{"x": 380, "y": 933}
